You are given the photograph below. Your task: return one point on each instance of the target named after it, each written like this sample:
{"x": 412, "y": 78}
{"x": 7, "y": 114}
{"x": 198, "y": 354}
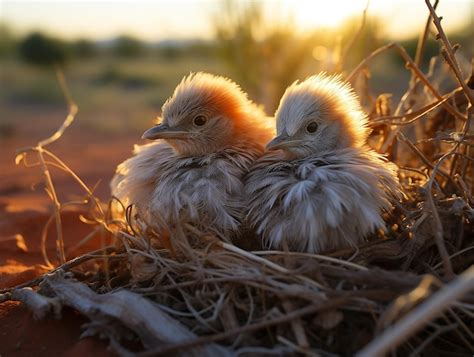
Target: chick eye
{"x": 312, "y": 127}
{"x": 200, "y": 120}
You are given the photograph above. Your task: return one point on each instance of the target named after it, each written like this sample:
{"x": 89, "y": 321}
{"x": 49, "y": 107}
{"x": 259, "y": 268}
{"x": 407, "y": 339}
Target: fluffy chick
{"x": 209, "y": 136}
{"x": 320, "y": 187}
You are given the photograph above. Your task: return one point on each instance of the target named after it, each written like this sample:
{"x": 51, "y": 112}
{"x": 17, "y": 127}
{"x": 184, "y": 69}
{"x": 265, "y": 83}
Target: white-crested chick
{"x": 320, "y": 187}
{"x": 209, "y": 136}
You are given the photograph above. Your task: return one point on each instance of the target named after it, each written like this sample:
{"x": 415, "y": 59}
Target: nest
{"x": 408, "y": 291}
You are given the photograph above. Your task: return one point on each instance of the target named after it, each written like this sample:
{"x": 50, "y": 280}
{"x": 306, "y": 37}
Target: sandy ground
{"x": 24, "y": 209}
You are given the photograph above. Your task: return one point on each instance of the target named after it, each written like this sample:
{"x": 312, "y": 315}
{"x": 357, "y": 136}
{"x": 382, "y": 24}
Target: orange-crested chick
{"x": 209, "y": 135}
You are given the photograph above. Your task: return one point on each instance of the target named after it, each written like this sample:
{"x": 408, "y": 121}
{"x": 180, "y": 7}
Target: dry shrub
{"x": 408, "y": 291}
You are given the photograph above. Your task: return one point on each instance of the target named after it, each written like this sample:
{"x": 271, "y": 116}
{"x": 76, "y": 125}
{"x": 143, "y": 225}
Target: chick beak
{"x": 278, "y": 142}
{"x": 163, "y": 131}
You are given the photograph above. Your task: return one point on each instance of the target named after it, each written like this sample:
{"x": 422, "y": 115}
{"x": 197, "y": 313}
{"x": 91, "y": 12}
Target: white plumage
{"x": 325, "y": 188}
{"x": 210, "y": 135}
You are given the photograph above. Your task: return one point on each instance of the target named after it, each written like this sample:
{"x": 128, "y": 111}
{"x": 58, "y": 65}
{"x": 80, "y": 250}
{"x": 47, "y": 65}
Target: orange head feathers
{"x": 207, "y": 113}
{"x": 211, "y": 134}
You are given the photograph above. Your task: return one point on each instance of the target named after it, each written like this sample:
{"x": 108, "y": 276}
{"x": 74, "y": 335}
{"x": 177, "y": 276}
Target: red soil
{"x": 24, "y": 210}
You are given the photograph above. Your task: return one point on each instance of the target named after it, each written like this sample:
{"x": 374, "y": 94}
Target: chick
{"x": 209, "y": 136}
{"x": 320, "y": 187}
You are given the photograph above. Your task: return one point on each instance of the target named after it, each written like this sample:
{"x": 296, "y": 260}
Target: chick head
{"x": 207, "y": 113}
{"x": 319, "y": 114}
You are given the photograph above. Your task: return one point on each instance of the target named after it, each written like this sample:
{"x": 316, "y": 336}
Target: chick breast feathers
{"x": 205, "y": 190}
{"x": 320, "y": 202}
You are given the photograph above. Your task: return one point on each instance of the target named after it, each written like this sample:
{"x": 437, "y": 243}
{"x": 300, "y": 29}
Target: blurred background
{"x": 122, "y": 59}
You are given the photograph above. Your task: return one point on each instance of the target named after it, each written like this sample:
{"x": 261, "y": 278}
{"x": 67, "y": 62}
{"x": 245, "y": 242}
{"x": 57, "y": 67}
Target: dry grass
{"x": 408, "y": 292}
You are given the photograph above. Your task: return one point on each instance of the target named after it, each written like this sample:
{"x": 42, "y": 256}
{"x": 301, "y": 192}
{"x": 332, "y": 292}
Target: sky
{"x": 182, "y": 19}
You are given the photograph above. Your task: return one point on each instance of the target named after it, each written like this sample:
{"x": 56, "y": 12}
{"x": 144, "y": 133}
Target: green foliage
{"x": 128, "y": 47}
{"x": 193, "y": 49}
{"x": 41, "y": 90}
{"x": 367, "y": 39}
{"x": 41, "y": 50}
{"x": 264, "y": 59}
{"x": 84, "y": 48}
{"x": 7, "y": 41}
{"x": 170, "y": 52}
{"x": 235, "y": 32}
{"x": 115, "y": 76}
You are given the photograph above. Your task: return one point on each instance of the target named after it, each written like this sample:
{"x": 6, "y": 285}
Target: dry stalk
{"x": 420, "y": 48}
{"x": 410, "y": 65}
{"x": 96, "y": 254}
{"x": 310, "y": 309}
{"x": 419, "y": 317}
{"x": 451, "y": 59}
{"x": 39, "y": 149}
{"x": 350, "y": 44}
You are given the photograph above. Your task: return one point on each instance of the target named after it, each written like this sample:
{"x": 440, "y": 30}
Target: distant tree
{"x": 39, "y": 49}
{"x": 201, "y": 48}
{"x": 84, "y": 48}
{"x": 7, "y": 41}
{"x": 169, "y": 52}
{"x": 127, "y": 46}
{"x": 192, "y": 48}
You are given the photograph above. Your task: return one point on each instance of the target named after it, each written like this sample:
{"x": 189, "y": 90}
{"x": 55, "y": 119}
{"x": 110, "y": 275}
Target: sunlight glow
{"x": 309, "y": 14}
{"x": 165, "y": 19}
{"x": 320, "y": 53}
{"x": 401, "y": 18}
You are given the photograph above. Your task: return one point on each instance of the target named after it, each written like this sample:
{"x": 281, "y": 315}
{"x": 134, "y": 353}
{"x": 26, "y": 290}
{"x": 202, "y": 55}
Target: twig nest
{"x": 328, "y": 319}
{"x": 142, "y": 268}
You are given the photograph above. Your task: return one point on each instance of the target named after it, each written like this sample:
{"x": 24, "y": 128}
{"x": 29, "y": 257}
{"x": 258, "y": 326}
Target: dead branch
{"x": 411, "y": 65}
{"x": 310, "y": 309}
{"x": 451, "y": 59}
{"x": 40, "y": 305}
{"x": 153, "y": 326}
{"x": 420, "y": 316}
